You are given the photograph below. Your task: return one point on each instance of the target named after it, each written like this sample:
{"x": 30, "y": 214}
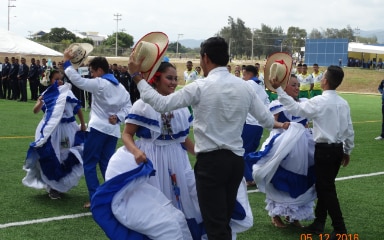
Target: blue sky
{"x": 198, "y": 19}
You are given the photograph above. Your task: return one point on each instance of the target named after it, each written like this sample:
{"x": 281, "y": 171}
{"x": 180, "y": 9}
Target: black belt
{"x": 329, "y": 145}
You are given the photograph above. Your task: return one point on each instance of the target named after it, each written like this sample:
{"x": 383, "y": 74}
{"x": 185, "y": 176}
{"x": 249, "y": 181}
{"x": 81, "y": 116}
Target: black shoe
{"x": 53, "y": 194}
{"x": 315, "y": 227}
{"x": 338, "y": 235}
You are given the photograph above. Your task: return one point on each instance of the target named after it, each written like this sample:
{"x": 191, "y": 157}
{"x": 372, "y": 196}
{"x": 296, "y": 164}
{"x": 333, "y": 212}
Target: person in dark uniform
{"x": 1, "y": 82}
{"x": 134, "y": 92}
{"x": 43, "y": 67}
{"x": 5, "y": 86}
{"x": 22, "y": 77}
{"x": 125, "y": 78}
{"x": 115, "y": 71}
{"x": 33, "y": 77}
{"x": 381, "y": 90}
{"x": 13, "y": 78}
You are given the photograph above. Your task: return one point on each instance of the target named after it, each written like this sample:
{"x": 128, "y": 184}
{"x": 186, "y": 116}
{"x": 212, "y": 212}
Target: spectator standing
{"x": 5, "y": 81}
{"x": 116, "y": 71}
{"x": 317, "y": 76}
{"x": 381, "y": 90}
{"x": 13, "y": 79}
{"x": 22, "y": 77}
{"x": 190, "y": 74}
{"x": 33, "y": 77}
{"x": 43, "y": 68}
{"x": 125, "y": 78}
{"x": 198, "y": 71}
{"x": 306, "y": 82}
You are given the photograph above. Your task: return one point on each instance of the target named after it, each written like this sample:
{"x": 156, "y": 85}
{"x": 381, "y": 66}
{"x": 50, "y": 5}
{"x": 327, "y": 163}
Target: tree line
{"x": 244, "y": 42}
{"x": 248, "y": 42}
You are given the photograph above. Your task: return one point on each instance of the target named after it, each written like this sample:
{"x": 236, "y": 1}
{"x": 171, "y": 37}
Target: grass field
{"x": 361, "y": 198}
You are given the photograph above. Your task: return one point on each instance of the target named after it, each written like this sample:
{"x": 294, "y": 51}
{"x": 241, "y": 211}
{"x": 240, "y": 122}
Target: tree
{"x": 124, "y": 40}
{"x": 336, "y": 33}
{"x": 181, "y": 49}
{"x": 238, "y": 37}
{"x": 315, "y": 34}
{"x": 268, "y": 40}
{"x": 84, "y": 40}
{"x": 57, "y": 35}
{"x": 296, "y": 38}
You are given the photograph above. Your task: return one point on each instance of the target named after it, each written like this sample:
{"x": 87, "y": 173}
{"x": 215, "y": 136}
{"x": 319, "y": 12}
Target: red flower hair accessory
{"x": 153, "y": 79}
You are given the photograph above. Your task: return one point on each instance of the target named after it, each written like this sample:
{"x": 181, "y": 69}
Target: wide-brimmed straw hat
{"x": 278, "y": 65}
{"x": 152, "y": 48}
{"x": 80, "y": 52}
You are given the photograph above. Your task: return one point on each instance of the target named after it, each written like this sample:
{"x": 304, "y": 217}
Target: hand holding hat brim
{"x": 134, "y": 64}
{"x": 68, "y": 54}
{"x": 271, "y": 76}
{"x": 275, "y": 82}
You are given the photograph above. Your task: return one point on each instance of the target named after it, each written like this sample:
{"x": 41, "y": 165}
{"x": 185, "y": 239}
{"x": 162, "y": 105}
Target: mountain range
{"x": 378, "y": 33}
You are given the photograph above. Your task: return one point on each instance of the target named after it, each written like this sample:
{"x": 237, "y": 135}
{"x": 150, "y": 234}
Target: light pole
{"x": 117, "y": 15}
{"x": 177, "y": 43}
{"x": 357, "y": 29}
{"x": 9, "y": 8}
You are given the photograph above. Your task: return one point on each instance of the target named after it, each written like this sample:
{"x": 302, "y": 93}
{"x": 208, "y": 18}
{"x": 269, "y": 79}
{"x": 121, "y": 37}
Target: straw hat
{"x": 80, "y": 52}
{"x": 278, "y": 65}
{"x": 152, "y": 48}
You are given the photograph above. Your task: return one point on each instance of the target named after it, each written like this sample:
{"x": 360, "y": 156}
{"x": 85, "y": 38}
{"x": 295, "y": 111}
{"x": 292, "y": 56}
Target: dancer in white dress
{"x": 162, "y": 139}
{"x": 284, "y": 167}
{"x": 54, "y": 159}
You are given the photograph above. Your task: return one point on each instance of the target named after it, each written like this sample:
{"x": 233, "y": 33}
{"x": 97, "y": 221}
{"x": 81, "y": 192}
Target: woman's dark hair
{"x": 53, "y": 72}
{"x": 99, "y": 62}
{"x": 216, "y": 49}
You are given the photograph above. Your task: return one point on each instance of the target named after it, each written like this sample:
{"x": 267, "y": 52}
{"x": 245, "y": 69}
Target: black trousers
{"x": 23, "y": 89}
{"x": 218, "y": 175}
{"x": 15, "y": 89}
{"x": 327, "y": 164}
{"x": 1, "y": 87}
{"x": 6, "y": 85}
{"x": 34, "y": 88}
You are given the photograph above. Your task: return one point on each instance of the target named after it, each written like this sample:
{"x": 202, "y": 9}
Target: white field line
{"x": 359, "y": 176}
{"x": 14, "y": 224}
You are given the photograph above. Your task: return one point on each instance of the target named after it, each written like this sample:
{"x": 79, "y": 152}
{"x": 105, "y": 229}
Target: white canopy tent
{"x": 363, "y": 48}
{"x": 14, "y": 44}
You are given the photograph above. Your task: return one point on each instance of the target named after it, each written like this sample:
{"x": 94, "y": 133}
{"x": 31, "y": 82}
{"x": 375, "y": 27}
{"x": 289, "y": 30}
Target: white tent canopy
{"x": 12, "y": 43}
{"x": 360, "y": 47}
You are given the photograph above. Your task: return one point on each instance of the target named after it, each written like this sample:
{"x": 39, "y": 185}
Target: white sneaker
{"x": 379, "y": 138}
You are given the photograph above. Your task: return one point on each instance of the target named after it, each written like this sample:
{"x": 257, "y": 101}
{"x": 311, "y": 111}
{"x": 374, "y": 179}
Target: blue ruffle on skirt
{"x": 101, "y": 203}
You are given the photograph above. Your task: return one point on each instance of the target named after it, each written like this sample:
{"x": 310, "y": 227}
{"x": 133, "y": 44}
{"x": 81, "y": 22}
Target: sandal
{"x": 276, "y": 221}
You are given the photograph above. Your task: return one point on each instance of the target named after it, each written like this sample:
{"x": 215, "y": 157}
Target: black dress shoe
{"x": 315, "y": 227}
